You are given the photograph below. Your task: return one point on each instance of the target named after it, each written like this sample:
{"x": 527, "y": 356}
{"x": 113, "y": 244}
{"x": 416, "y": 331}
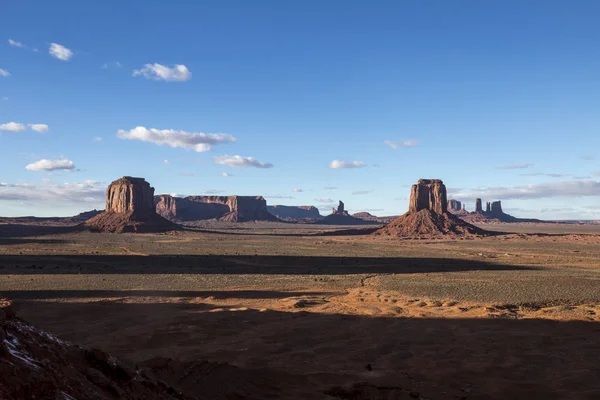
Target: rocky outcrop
{"x": 493, "y": 214}
{"x": 428, "y": 215}
{"x": 428, "y": 194}
{"x": 365, "y": 216}
{"x": 454, "y": 205}
{"x": 340, "y": 209}
{"x": 129, "y": 208}
{"x": 295, "y": 212}
{"x": 224, "y": 208}
{"x": 339, "y": 216}
{"x": 478, "y": 207}
{"x": 35, "y": 364}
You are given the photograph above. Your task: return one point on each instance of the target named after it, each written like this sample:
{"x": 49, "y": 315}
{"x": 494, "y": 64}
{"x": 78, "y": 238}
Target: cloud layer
{"x": 158, "y": 72}
{"x": 59, "y": 51}
{"x": 579, "y": 188}
{"x": 516, "y": 166}
{"x": 4, "y": 72}
{"x": 198, "y": 142}
{"x": 240, "y": 162}
{"x": 49, "y": 192}
{"x": 51, "y": 165}
{"x": 335, "y": 164}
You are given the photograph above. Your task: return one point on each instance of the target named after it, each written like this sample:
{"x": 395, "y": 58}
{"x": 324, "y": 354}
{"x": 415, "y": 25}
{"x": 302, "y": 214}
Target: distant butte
{"x": 428, "y": 215}
{"x": 129, "y": 208}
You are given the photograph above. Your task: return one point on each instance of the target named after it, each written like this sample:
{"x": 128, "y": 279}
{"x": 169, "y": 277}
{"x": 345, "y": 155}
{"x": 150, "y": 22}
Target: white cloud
{"x": 323, "y": 200}
{"x": 296, "y": 190}
{"x": 178, "y": 73}
{"x": 104, "y": 66}
{"x": 14, "y": 43}
{"x": 39, "y": 128}
{"x": 198, "y": 142}
{"x": 239, "y": 162}
{"x": 516, "y": 166}
{"x": 212, "y": 191}
{"x": 361, "y": 192}
{"x": 335, "y": 164}
{"x": 51, "y": 165}
{"x": 4, "y": 72}
{"x": 226, "y": 174}
{"x": 166, "y": 162}
{"x": 97, "y": 139}
{"x": 278, "y": 196}
{"x": 5, "y": 98}
{"x": 59, "y": 51}
{"x": 573, "y": 188}
{"x": 12, "y": 127}
{"x": 55, "y": 194}
{"x": 405, "y": 143}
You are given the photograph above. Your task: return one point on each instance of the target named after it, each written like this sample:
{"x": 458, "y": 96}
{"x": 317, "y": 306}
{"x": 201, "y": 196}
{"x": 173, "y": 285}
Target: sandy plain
{"x": 302, "y": 315}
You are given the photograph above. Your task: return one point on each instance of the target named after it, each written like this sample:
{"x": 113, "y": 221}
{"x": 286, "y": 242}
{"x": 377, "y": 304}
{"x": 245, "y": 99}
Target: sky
{"x": 303, "y": 102}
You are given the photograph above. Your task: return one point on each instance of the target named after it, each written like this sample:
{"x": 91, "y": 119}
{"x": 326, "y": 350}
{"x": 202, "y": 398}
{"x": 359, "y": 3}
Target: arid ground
{"x": 303, "y": 315}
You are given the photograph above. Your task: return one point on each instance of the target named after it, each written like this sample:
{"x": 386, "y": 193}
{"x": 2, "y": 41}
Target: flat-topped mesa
{"x": 478, "y": 207}
{"x": 454, "y": 205}
{"x": 225, "y": 208}
{"x": 295, "y": 212}
{"x": 129, "y": 194}
{"x": 428, "y": 194}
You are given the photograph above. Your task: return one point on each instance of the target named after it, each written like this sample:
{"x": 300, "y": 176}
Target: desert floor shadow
{"x": 437, "y": 358}
{"x": 239, "y": 264}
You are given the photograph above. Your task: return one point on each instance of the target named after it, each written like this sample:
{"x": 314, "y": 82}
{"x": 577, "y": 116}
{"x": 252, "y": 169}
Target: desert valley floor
{"x": 293, "y": 313}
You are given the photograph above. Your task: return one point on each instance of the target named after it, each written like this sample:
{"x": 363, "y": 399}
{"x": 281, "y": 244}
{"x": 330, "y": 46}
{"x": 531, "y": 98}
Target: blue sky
{"x": 499, "y": 99}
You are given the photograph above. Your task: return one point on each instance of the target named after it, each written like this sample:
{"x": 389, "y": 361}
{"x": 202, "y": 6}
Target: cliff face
{"x": 129, "y": 194}
{"x": 428, "y": 194}
{"x": 295, "y": 212}
{"x": 247, "y": 208}
{"x": 225, "y": 208}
